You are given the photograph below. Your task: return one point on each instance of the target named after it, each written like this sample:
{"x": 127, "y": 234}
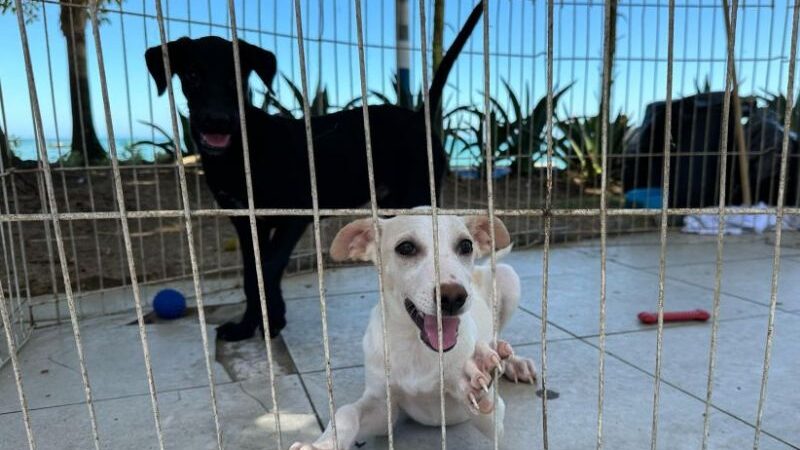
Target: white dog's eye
{"x": 464, "y": 247}
{"x": 406, "y": 248}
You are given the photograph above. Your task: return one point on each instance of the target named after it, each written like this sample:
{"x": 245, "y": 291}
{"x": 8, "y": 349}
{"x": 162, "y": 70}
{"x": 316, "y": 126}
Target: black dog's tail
{"x": 440, "y": 77}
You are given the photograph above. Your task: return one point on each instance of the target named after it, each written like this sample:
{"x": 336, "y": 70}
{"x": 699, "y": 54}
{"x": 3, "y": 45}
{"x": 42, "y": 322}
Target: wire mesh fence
{"x": 516, "y": 115}
{"x": 573, "y": 120}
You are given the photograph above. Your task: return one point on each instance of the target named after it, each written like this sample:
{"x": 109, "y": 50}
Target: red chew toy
{"x": 650, "y": 318}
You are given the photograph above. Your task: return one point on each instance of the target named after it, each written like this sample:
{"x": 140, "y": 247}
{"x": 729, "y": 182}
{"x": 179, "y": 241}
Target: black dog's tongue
{"x": 216, "y": 140}
{"x": 449, "y": 331}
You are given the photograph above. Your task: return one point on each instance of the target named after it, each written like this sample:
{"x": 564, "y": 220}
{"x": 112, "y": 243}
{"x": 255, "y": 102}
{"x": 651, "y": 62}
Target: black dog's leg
{"x": 244, "y": 329}
{"x": 275, "y": 253}
{"x": 275, "y": 261}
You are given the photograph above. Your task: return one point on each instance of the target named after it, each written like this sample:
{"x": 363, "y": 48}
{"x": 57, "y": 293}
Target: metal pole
{"x": 403, "y": 49}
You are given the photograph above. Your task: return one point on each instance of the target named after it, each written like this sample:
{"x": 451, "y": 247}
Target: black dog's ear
{"x": 261, "y": 61}
{"x": 155, "y": 61}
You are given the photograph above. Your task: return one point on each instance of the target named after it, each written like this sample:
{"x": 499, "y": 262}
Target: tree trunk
{"x": 612, "y": 50}
{"x": 84, "y": 138}
{"x": 438, "y": 33}
{"x": 605, "y": 114}
{"x": 438, "y": 53}
{"x": 5, "y": 153}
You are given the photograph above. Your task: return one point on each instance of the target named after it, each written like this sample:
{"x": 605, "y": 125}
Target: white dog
{"x": 470, "y": 357}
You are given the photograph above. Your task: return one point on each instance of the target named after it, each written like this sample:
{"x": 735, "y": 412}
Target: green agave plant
{"x": 401, "y": 97}
{"x": 167, "y": 145}
{"x": 777, "y": 104}
{"x": 581, "y": 138}
{"x": 517, "y": 133}
{"x": 320, "y": 104}
{"x": 703, "y": 88}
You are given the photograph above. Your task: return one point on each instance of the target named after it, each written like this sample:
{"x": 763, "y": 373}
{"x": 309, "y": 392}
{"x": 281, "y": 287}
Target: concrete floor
{"x": 55, "y": 394}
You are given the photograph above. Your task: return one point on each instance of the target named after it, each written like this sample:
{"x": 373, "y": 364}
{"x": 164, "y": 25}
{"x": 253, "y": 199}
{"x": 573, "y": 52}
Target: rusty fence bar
{"x": 126, "y": 235}
{"x": 662, "y": 266}
{"x": 53, "y": 208}
{"x": 252, "y": 221}
{"x": 346, "y": 212}
{"x": 187, "y": 220}
{"x": 610, "y": 17}
{"x": 730, "y": 17}
{"x": 373, "y": 201}
{"x": 781, "y": 212}
{"x": 548, "y": 217}
{"x": 316, "y": 219}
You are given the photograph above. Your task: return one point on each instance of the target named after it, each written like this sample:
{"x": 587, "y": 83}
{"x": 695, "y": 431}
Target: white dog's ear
{"x": 478, "y": 227}
{"x": 356, "y": 241}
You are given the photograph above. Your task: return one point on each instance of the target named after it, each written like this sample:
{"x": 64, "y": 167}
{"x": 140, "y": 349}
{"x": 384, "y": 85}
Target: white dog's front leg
{"x": 365, "y": 418}
{"x": 485, "y": 422}
{"x": 478, "y": 374}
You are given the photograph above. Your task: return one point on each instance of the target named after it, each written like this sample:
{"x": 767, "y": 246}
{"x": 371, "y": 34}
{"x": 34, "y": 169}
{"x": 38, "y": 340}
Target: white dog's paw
{"x": 303, "y": 446}
{"x": 479, "y": 373}
{"x": 520, "y": 369}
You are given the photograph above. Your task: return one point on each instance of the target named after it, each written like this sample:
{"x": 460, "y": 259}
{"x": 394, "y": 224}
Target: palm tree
{"x": 74, "y": 18}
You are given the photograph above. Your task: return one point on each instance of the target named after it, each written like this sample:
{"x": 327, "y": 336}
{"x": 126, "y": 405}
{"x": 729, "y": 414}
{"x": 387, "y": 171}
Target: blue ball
{"x": 643, "y": 198}
{"x": 169, "y": 304}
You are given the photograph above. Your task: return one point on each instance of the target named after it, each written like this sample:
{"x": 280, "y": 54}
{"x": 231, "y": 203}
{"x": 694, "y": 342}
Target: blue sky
{"x": 517, "y": 41}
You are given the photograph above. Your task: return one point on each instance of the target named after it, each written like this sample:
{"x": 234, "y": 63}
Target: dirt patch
{"x": 95, "y": 252}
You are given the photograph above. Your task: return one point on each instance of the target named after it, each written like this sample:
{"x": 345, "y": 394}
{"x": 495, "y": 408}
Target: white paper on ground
{"x": 736, "y": 224}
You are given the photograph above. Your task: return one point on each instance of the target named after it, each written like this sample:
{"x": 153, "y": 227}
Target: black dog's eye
{"x": 406, "y": 248}
{"x": 465, "y": 247}
{"x": 191, "y": 76}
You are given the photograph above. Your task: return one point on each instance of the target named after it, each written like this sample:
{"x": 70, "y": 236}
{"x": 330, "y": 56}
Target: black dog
{"x": 279, "y": 158}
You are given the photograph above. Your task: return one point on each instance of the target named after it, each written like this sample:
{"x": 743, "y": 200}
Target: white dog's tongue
{"x": 449, "y": 331}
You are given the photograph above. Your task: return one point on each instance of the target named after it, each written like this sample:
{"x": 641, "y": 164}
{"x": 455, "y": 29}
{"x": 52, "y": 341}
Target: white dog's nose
{"x": 453, "y": 298}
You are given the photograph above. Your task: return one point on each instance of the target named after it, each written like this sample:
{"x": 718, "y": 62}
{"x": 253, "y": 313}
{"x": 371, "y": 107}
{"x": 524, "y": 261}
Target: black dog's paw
{"x": 239, "y": 331}
{"x": 233, "y": 331}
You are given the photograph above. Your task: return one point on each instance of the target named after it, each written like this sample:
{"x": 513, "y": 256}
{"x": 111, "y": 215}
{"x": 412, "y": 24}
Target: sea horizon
{"x": 25, "y": 148}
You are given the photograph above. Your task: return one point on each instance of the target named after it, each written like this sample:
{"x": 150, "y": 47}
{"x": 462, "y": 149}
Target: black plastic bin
{"x": 695, "y": 153}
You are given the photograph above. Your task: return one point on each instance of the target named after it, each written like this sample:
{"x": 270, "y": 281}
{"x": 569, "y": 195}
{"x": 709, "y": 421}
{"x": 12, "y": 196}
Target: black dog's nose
{"x": 453, "y": 298}
{"x": 215, "y": 120}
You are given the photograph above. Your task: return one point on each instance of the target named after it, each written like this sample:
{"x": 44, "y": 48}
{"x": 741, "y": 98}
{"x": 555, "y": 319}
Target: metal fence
{"x": 71, "y": 232}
